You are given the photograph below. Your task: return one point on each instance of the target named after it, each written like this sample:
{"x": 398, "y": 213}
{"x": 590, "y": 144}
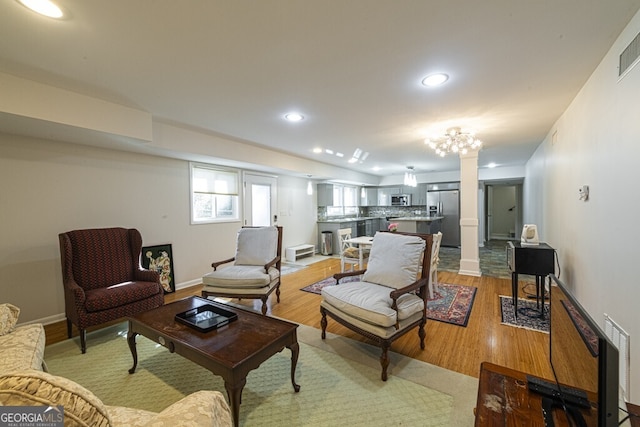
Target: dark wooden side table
{"x": 537, "y": 260}
{"x": 230, "y": 352}
{"x": 505, "y": 400}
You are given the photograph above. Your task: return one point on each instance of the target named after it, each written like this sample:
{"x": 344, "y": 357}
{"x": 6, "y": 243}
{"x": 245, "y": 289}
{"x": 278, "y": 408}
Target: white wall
{"x": 503, "y": 211}
{"x": 50, "y": 187}
{"x": 596, "y": 143}
{"x": 297, "y": 212}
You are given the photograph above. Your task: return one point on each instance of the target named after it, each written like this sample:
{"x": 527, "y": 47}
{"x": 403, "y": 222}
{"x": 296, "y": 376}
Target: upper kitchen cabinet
{"x": 325, "y": 194}
{"x": 369, "y": 196}
{"x": 418, "y": 194}
{"x": 384, "y": 195}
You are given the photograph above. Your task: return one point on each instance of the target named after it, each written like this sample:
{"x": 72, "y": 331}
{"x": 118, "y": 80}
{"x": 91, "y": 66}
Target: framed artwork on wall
{"x": 159, "y": 258}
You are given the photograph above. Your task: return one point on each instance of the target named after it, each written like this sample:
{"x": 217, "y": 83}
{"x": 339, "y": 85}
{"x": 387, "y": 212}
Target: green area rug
{"x": 335, "y": 390}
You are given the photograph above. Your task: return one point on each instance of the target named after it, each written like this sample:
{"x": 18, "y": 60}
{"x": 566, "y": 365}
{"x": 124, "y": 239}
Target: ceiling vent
{"x": 629, "y": 56}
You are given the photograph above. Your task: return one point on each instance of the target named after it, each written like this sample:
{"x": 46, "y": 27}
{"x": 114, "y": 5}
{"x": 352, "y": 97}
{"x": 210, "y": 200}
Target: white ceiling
{"x": 351, "y": 67}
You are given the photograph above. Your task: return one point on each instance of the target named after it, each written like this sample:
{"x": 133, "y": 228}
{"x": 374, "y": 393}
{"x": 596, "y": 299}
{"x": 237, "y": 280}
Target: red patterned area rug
{"x": 451, "y": 303}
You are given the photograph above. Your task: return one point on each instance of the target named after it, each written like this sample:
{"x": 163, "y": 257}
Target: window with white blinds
{"x": 214, "y": 194}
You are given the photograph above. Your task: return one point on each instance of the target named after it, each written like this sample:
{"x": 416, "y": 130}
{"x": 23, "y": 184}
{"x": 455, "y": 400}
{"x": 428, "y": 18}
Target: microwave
{"x": 401, "y": 200}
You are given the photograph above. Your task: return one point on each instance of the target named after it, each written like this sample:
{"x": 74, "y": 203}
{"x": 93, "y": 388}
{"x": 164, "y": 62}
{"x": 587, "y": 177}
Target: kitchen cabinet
{"x": 325, "y": 194}
{"x": 418, "y": 194}
{"x": 352, "y": 225}
{"x": 370, "y": 196}
{"x": 384, "y": 195}
{"x": 384, "y": 198}
{"x": 372, "y": 226}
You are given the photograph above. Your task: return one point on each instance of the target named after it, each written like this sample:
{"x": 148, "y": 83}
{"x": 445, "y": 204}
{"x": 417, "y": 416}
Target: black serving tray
{"x": 206, "y": 317}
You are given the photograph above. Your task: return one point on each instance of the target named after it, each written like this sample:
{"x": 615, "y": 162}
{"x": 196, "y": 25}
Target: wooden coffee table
{"x": 230, "y": 351}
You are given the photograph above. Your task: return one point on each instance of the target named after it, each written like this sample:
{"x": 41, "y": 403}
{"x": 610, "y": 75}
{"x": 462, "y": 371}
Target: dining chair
{"x": 433, "y": 271}
{"x": 350, "y": 254}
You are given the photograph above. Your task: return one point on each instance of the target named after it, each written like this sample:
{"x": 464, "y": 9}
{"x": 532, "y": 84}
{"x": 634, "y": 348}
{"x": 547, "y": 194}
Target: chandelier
{"x": 454, "y": 141}
{"x": 410, "y": 178}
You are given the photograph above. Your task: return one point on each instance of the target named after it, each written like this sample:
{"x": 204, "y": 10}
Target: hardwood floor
{"x": 460, "y": 349}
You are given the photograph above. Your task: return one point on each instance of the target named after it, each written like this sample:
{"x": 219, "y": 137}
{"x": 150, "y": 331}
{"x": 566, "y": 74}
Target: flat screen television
{"x": 582, "y": 357}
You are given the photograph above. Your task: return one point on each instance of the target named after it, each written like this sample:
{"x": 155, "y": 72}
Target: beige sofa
{"x": 25, "y": 382}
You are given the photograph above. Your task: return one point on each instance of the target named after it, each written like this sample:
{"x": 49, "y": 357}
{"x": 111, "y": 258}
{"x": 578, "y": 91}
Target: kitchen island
{"x": 419, "y": 224}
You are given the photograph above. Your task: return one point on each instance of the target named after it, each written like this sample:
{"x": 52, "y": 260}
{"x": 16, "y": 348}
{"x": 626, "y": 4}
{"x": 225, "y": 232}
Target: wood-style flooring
{"x": 460, "y": 349}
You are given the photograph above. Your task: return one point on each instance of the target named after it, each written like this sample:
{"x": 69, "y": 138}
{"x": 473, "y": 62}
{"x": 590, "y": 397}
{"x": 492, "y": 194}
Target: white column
{"x": 469, "y": 252}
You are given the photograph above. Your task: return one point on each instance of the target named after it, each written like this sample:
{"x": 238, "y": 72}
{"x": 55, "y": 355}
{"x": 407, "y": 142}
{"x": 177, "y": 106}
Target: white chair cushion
{"x": 241, "y": 276}
{"x": 256, "y": 246}
{"x": 371, "y": 303}
{"x": 394, "y": 260}
{"x": 374, "y": 329}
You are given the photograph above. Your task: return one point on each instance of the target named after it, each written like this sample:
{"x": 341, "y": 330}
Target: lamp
{"x": 410, "y": 178}
{"x": 455, "y": 141}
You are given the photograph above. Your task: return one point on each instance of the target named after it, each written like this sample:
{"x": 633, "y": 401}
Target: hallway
{"x": 493, "y": 259}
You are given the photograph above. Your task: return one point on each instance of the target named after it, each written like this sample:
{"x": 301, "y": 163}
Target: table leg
{"x": 234, "y": 393}
{"x": 295, "y": 350}
{"x": 131, "y": 340}
{"x": 514, "y": 293}
{"x": 543, "y": 291}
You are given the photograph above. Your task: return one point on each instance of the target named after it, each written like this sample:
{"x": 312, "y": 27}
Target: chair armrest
{"x": 339, "y": 276}
{"x": 217, "y": 264}
{"x": 271, "y": 263}
{"x": 394, "y": 295}
{"x": 73, "y": 289}
{"x": 145, "y": 275}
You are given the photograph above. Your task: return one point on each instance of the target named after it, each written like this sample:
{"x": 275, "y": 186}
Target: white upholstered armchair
{"x": 391, "y": 299}
{"x": 255, "y": 272}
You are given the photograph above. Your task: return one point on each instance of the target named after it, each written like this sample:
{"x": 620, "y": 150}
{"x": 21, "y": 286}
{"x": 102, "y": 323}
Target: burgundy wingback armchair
{"x": 103, "y": 279}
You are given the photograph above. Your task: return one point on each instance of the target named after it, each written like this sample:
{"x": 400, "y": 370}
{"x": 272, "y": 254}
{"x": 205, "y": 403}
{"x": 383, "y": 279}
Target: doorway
{"x": 260, "y": 200}
{"x": 503, "y": 207}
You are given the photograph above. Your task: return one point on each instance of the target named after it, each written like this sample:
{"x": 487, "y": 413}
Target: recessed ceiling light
{"x": 317, "y": 150}
{"x": 435, "y": 79}
{"x": 328, "y": 151}
{"x": 43, "y": 7}
{"x": 491, "y": 165}
{"x": 339, "y": 154}
{"x": 294, "y": 117}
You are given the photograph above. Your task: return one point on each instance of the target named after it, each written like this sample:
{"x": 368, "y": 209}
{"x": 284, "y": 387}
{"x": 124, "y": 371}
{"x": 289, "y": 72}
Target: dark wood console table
{"x": 536, "y": 260}
{"x": 505, "y": 400}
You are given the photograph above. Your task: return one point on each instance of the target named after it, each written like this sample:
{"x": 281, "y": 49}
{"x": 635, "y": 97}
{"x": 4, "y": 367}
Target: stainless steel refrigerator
{"x": 444, "y": 200}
